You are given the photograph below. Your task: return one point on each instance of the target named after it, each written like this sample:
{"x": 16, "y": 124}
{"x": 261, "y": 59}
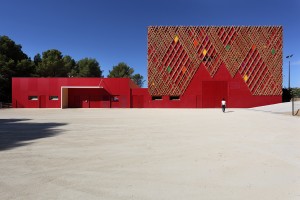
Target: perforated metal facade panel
{"x": 176, "y": 52}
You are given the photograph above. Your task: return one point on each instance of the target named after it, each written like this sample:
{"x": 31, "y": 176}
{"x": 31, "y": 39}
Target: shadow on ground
{"x": 229, "y": 111}
{"x": 20, "y": 132}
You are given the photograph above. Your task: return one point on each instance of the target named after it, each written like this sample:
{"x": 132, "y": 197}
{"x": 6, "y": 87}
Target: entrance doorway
{"x": 213, "y": 92}
{"x": 84, "y": 97}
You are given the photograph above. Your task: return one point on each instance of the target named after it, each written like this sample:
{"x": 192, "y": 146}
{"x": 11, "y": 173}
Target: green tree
{"x": 11, "y": 50}
{"x": 296, "y": 92}
{"x": 138, "y": 79}
{"x": 286, "y": 95}
{"x": 13, "y": 63}
{"x": 25, "y": 68}
{"x": 122, "y": 70}
{"x": 69, "y": 64}
{"x": 87, "y": 67}
{"x": 53, "y": 64}
{"x": 37, "y": 59}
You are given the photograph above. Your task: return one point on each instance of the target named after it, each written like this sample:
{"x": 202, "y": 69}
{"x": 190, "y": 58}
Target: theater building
{"x": 188, "y": 67}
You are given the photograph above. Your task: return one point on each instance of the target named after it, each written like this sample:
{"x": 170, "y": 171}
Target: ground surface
{"x": 281, "y": 108}
{"x": 147, "y": 154}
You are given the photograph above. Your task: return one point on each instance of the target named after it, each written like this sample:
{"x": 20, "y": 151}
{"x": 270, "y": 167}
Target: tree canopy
{"x": 13, "y": 63}
{"x": 10, "y": 50}
{"x": 87, "y": 67}
{"x": 122, "y": 70}
{"x": 138, "y": 79}
{"x": 53, "y": 64}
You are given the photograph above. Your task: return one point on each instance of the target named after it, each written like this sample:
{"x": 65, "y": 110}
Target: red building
{"x": 188, "y": 67}
{"x": 72, "y": 92}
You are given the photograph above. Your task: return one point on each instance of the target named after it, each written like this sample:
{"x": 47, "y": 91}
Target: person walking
{"x": 223, "y": 102}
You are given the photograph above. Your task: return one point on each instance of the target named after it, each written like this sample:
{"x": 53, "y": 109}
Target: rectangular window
{"x": 33, "y": 98}
{"x": 53, "y": 98}
{"x": 174, "y": 98}
{"x": 154, "y": 98}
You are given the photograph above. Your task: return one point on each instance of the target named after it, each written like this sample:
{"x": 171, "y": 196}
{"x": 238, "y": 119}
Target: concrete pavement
{"x": 279, "y": 108}
{"x": 148, "y": 154}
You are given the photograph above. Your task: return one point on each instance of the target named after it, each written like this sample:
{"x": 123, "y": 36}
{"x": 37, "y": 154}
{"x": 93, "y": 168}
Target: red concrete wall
{"x": 237, "y": 93}
{"x": 114, "y": 94}
{"x": 206, "y": 92}
{"x": 202, "y": 92}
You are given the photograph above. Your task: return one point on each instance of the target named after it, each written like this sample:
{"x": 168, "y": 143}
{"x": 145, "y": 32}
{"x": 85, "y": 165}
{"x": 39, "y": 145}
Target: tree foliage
{"x": 122, "y": 70}
{"x": 295, "y": 92}
{"x": 37, "y": 59}
{"x": 286, "y": 95}
{"x": 10, "y": 50}
{"x": 53, "y": 64}
{"x": 87, "y": 67}
{"x": 13, "y": 63}
{"x": 138, "y": 79}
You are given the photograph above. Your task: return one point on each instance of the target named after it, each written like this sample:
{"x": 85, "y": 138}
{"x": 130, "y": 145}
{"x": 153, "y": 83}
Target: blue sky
{"x": 114, "y": 31}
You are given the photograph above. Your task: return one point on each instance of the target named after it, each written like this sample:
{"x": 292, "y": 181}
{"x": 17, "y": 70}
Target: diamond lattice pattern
{"x": 253, "y": 52}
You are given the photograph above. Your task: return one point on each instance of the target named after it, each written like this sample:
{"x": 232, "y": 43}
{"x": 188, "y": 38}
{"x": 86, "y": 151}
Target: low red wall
{"x": 202, "y": 92}
{"x": 112, "y": 92}
{"x": 206, "y": 92}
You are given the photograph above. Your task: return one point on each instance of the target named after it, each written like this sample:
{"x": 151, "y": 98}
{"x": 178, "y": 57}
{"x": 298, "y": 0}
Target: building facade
{"x": 72, "y": 92}
{"x": 242, "y": 64}
{"x": 188, "y": 67}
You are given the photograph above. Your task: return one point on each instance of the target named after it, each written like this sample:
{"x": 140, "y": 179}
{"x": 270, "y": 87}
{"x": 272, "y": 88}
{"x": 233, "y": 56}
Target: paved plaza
{"x": 147, "y": 154}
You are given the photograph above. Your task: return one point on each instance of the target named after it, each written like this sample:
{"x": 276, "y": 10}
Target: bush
{"x": 286, "y": 95}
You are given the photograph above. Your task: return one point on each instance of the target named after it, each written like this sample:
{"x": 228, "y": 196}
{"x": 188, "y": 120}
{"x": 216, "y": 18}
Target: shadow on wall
{"x": 20, "y": 132}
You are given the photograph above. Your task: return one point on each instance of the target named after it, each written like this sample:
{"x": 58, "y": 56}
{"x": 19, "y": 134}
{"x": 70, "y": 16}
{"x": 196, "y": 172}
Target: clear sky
{"x": 114, "y": 31}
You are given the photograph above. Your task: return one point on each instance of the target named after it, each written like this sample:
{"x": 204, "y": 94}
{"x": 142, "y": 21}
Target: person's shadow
{"x": 229, "y": 111}
{"x": 19, "y": 132}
